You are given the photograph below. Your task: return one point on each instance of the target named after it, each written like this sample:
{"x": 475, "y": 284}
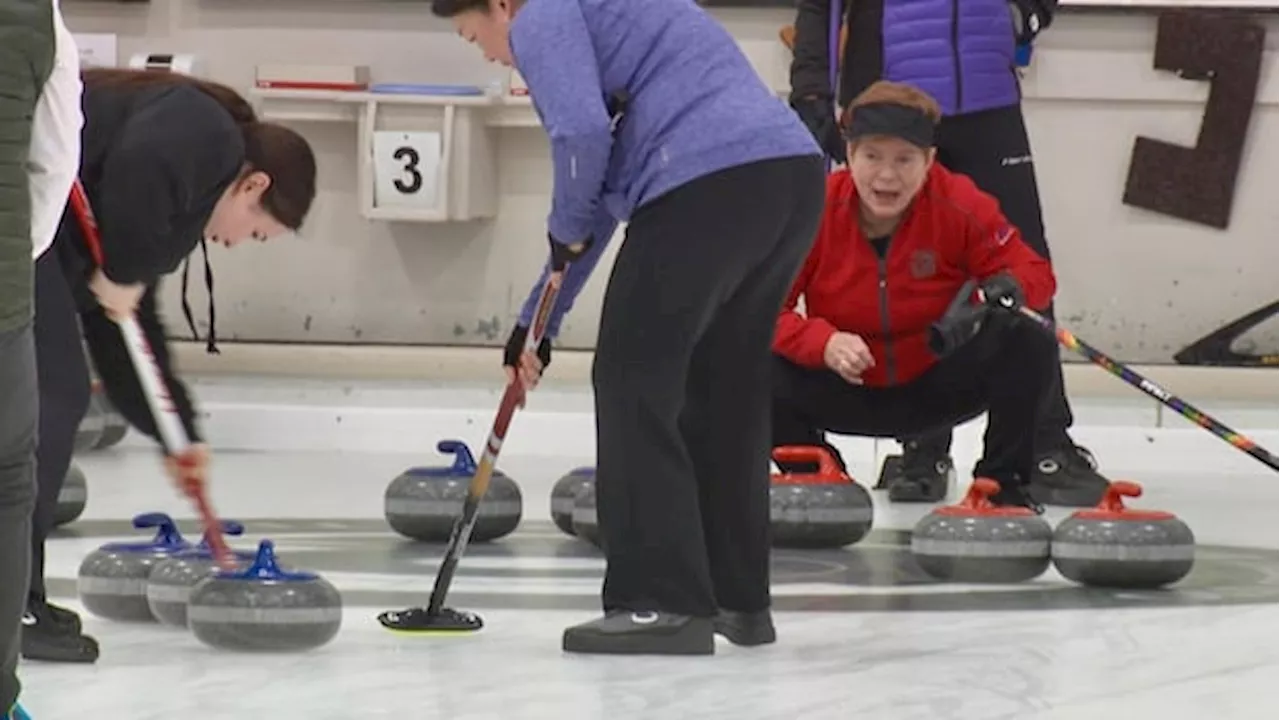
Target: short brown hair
{"x": 893, "y": 93}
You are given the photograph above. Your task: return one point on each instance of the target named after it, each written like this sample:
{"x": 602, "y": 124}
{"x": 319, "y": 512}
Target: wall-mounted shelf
{"x": 446, "y": 131}
{"x": 460, "y": 130}
{"x": 343, "y": 106}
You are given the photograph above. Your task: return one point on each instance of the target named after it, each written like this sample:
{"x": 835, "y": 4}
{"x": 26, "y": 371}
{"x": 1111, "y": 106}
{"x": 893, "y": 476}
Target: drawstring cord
{"x": 211, "y": 341}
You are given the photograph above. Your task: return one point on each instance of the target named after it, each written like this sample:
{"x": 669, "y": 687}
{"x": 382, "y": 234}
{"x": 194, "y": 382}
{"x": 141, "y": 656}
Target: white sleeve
{"x": 54, "y": 158}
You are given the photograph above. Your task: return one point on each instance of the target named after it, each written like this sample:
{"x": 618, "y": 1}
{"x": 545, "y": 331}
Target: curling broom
{"x": 436, "y": 618}
{"x": 1168, "y": 399}
{"x": 168, "y": 424}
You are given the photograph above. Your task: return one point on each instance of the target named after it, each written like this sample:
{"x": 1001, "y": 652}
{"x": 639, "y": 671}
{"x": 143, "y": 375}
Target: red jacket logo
{"x": 924, "y": 264}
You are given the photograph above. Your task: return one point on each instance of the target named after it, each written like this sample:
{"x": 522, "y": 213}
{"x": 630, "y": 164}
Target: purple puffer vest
{"x": 959, "y": 51}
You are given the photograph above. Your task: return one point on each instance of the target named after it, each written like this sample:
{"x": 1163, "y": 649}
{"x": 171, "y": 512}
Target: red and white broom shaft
{"x": 155, "y": 390}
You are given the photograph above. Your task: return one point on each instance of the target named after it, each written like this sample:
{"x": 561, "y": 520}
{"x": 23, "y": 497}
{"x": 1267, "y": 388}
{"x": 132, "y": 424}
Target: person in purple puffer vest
{"x": 963, "y": 53}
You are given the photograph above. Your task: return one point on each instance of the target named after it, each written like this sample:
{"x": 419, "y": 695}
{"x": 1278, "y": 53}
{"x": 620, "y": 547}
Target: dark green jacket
{"x": 26, "y": 57}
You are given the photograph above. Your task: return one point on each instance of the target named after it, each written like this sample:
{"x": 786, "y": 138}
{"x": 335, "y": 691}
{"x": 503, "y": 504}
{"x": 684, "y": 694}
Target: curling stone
{"x": 113, "y": 579}
{"x": 90, "y": 430}
{"x": 114, "y": 426}
{"x": 170, "y": 582}
{"x": 824, "y": 509}
{"x": 425, "y": 503}
{"x": 977, "y": 542}
{"x": 565, "y": 492}
{"x": 1113, "y": 546}
{"x": 72, "y": 497}
{"x": 586, "y": 521}
{"x": 264, "y": 607}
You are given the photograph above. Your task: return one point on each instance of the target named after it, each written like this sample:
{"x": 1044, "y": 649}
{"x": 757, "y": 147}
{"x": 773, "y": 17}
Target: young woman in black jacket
{"x": 168, "y": 162}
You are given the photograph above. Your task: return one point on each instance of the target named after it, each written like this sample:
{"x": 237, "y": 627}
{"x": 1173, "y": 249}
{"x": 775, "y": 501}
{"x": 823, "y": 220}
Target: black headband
{"x": 891, "y": 119}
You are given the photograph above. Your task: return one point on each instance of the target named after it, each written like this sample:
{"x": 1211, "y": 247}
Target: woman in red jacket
{"x": 890, "y": 343}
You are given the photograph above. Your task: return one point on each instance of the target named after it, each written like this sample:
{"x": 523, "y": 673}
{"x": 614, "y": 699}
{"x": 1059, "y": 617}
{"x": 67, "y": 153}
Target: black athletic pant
{"x": 681, "y": 380}
{"x": 64, "y": 398}
{"x": 993, "y": 149}
{"x": 1002, "y": 371}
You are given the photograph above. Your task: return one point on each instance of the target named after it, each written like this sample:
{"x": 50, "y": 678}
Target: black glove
{"x": 1031, "y": 17}
{"x": 515, "y": 346}
{"x": 955, "y": 329}
{"x": 815, "y": 113}
{"x": 1003, "y": 291}
{"x": 562, "y": 255}
{"x": 957, "y": 326}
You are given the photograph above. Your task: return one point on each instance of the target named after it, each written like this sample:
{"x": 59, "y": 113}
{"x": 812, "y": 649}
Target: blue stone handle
{"x": 166, "y": 530}
{"x": 464, "y": 463}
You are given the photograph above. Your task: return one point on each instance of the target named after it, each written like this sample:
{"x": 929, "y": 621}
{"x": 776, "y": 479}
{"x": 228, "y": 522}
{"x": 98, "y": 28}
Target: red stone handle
{"x": 828, "y": 470}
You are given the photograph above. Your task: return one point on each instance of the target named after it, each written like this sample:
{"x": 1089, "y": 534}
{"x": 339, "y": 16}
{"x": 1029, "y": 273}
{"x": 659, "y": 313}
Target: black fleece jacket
{"x": 154, "y": 163}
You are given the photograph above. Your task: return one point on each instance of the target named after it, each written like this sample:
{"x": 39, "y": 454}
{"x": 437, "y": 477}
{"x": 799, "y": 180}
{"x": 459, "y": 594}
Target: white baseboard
{"x": 479, "y": 364}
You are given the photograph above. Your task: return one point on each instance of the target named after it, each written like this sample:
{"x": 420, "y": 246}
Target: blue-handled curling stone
{"x": 264, "y": 608}
{"x": 169, "y": 585}
{"x": 112, "y": 581}
{"x": 425, "y": 503}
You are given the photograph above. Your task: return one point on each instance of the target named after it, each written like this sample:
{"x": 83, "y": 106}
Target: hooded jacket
{"x": 155, "y": 162}
{"x": 952, "y": 232}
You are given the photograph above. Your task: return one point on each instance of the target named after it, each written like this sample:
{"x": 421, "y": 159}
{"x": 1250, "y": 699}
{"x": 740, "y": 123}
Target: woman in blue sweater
{"x": 721, "y": 186}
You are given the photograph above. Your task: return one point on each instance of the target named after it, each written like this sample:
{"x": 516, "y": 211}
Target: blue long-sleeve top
{"x": 695, "y": 106}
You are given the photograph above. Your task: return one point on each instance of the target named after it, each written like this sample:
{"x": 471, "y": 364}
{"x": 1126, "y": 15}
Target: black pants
{"x": 681, "y": 387}
{"x": 64, "y": 398}
{"x": 993, "y": 149}
{"x": 1002, "y": 371}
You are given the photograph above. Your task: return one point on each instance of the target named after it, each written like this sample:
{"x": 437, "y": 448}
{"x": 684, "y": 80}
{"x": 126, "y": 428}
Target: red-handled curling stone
{"x": 823, "y": 509}
{"x": 977, "y": 542}
{"x": 1118, "y": 547}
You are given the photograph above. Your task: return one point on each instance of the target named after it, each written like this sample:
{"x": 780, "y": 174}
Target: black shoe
{"x": 926, "y": 476}
{"x": 622, "y": 632}
{"x": 746, "y": 629}
{"x": 47, "y": 639}
{"x": 1068, "y": 476}
{"x": 1015, "y": 493}
{"x": 67, "y": 620}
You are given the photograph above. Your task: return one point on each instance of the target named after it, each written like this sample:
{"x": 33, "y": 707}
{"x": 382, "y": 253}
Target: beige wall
{"x": 1134, "y": 283}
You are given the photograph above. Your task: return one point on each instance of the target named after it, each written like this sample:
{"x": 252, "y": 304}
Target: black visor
{"x": 891, "y": 119}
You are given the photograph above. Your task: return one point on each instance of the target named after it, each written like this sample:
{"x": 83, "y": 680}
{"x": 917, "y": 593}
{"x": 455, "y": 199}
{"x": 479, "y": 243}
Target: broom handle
{"x": 1182, "y": 407}
{"x": 165, "y": 413}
